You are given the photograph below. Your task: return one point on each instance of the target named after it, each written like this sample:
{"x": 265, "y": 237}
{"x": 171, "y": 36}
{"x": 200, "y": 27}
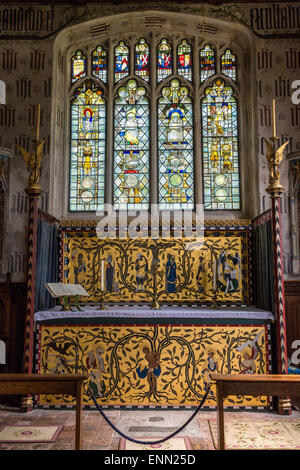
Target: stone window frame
{"x": 77, "y": 37}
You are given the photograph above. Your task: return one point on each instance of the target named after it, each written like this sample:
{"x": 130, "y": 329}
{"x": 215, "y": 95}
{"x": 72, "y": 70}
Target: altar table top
{"x": 132, "y": 312}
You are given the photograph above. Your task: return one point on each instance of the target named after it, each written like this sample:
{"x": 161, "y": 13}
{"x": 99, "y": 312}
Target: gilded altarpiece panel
{"x": 186, "y": 270}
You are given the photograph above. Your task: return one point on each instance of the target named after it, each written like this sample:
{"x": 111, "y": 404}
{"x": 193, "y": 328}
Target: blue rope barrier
{"x": 136, "y": 441}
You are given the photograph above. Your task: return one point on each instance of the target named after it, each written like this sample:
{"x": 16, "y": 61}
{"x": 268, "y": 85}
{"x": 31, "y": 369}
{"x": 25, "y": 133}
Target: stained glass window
{"x": 164, "y": 60}
{"x": 121, "y": 61}
{"x": 99, "y": 63}
{"x": 184, "y": 60}
{"x": 220, "y": 148}
{"x": 228, "y": 64}
{"x": 165, "y": 81}
{"x": 207, "y": 63}
{"x": 175, "y": 148}
{"x": 142, "y": 60}
{"x": 131, "y": 148}
{"x": 87, "y": 166}
{"x": 78, "y": 65}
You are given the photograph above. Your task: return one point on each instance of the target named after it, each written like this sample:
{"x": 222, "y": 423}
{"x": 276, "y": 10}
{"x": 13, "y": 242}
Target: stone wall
{"x": 27, "y": 43}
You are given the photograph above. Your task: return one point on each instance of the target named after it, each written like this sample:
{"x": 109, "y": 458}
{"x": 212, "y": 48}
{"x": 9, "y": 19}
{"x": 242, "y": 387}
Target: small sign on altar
{"x": 59, "y": 289}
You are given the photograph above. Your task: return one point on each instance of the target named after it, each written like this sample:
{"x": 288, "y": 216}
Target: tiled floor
{"x": 98, "y": 435}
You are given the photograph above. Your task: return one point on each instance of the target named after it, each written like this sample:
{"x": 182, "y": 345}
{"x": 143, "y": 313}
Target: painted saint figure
{"x": 200, "y": 274}
{"x": 81, "y": 267}
{"x": 230, "y": 266}
{"x": 171, "y": 274}
{"x": 95, "y": 366}
{"x": 212, "y": 366}
{"x": 152, "y": 371}
{"x": 250, "y": 352}
{"x": 88, "y": 115}
{"x": 109, "y": 274}
{"x": 131, "y": 129}
{"x": 141, "y": 267}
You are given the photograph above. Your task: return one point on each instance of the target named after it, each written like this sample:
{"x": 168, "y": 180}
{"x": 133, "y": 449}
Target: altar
{"x": 175, "y": 311}
{"x": 140, "y": 357}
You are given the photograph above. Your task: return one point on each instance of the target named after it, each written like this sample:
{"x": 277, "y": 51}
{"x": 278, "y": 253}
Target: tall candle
{"x": 274, "y": 118}
{"x": 38, "y": 123}
{"x": 102, "y": 275}
{"x": 215, "y": 276}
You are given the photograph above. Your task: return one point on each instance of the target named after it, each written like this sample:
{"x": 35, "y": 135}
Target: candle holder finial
{"x": 101, "y": 300}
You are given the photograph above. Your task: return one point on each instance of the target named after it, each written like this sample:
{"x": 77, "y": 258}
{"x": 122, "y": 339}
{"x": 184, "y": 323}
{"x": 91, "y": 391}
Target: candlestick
{"x": 102, "y": 275}
{"x": 215, "y": 275}
{"x": 274, "y": 118}
{"x": 102, "y": 295}
{"x": 38, "y": 123}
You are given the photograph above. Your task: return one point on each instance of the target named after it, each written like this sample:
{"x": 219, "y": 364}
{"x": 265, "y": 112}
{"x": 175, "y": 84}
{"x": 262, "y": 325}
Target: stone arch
{"x": 154, "y": 25}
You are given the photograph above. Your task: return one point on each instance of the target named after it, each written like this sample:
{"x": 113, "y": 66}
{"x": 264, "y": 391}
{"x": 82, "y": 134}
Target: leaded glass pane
{"x": 228, "y": 64}
{"x": 87, "y": 166}
{"x": 207, "y": 63}
{"x": 184, "y": 60}
{"x": 220, "y": 148}
{"x": 175, "y": 148}
{"x": 78, "y": 66}
{"x": 164, "y": 60}
{"x": 121, "y": 61}
{"x": 131, "y": 148}
{"x": 99, "y": 63}
{"x": 142, "y": 60}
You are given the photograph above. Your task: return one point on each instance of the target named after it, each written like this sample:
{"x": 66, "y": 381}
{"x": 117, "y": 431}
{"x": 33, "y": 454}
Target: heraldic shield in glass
{"x": 99, "y": 63}
{"x": 121, "y": 61}
{"x": 78, "y": 66}
{"x": 87, "y": 165}
{"x": 184, "y": 60}
{"x": 175, "y": 148}
{"x": 220, "y": 148}
{"x": 131, "y": 148}
{"x": 164, "y": 60}
{"x": 228, "y": 64}
{"x": 207, "y": 63}
{"x": 142, "y": 61}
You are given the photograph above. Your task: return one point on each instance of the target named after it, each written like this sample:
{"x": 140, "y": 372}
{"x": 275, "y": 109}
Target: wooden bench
{"x": 48, "y": 384}
{"x": 256, "y": 385}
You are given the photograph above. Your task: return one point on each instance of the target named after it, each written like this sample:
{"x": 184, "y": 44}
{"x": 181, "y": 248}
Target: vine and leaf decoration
{"x": 189, "y": 285}
{"x": 181, "y": 354}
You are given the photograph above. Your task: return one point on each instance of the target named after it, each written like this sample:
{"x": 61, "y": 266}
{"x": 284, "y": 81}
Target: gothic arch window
{"x": 220, "y": 147}
{"x": 228, "y": 64}
{"x": 142, "y": 60}
{"x": 136, "y": 137}
{"x": 175, "y": 147}
{"x": 99, "y": 63}
{"x": 78, "y": 67}
{"x": 184, "y": 60}
{"x": 88, "y": 144}
{"x": 164, "y": 60}
{"x": 131, "y": 147}
{"x": 121, "y": 60}
{"x": 207, "y": 63}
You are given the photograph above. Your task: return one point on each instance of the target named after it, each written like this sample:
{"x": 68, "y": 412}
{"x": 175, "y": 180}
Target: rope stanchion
{"x": 136, "y": 441}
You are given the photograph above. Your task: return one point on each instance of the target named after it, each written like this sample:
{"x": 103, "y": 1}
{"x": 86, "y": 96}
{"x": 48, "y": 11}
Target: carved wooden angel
{"x": 33, "y": 162}
{"x": 274, "y": 159}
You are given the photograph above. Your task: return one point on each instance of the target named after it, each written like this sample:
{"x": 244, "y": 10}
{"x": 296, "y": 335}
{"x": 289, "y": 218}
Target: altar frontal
{"x": 152, "y": 365}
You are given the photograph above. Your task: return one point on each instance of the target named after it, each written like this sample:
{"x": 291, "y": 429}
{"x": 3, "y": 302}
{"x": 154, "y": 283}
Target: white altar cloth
{"x": 166, "y": 311}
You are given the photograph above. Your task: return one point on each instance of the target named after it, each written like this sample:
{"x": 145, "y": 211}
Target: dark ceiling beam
{"x": 131, "y": 2}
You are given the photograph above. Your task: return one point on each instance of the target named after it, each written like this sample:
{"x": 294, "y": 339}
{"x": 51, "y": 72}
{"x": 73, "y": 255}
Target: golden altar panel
{"x": 182, "y": 269}
{"x": 152, "y": 365}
